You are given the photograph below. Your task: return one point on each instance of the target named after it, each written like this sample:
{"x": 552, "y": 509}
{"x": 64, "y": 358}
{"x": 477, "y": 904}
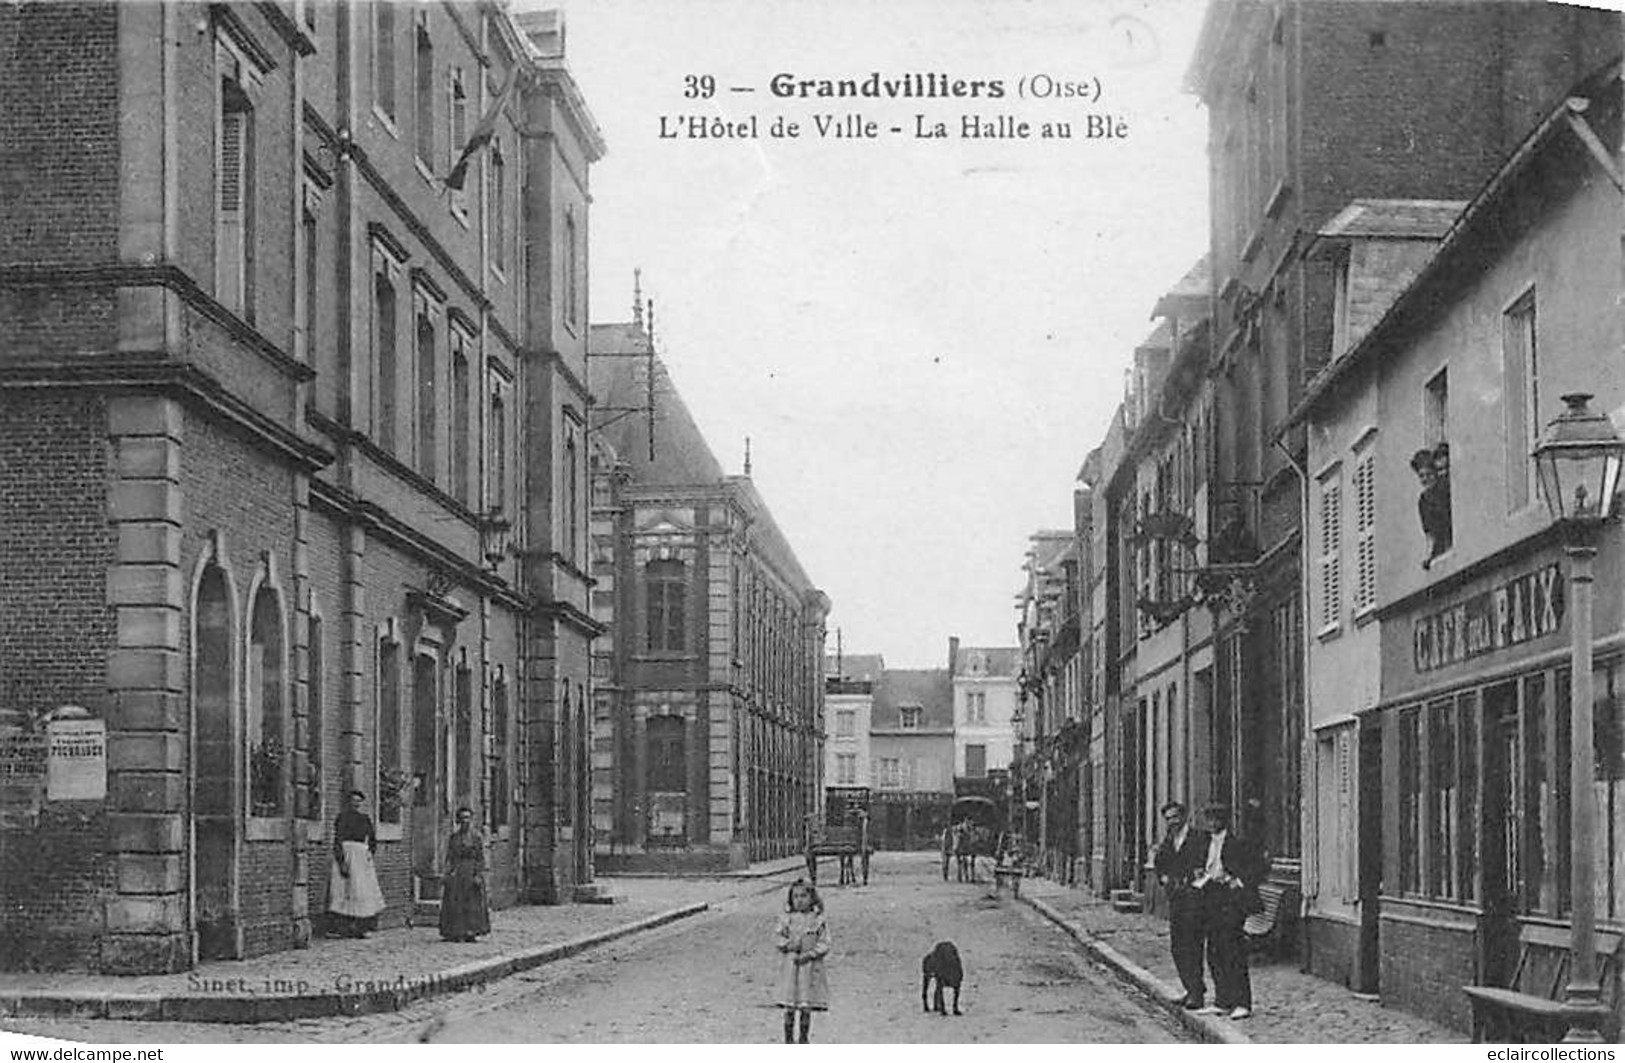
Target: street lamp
{"x": 1578, "y": 459}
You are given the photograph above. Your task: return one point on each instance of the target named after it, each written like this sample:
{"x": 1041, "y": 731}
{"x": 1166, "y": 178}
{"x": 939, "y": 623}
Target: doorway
{"x": 429, "y": 797}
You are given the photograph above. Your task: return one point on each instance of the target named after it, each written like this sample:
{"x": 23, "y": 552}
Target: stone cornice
{"x": 124, "y": 275}
{"x": 384, "y": 525}
{"x": 570, "y": 616}
{"x": 547, "y": 354}
{"x": 292, "y": 34}
{"x": 156, "y": 372}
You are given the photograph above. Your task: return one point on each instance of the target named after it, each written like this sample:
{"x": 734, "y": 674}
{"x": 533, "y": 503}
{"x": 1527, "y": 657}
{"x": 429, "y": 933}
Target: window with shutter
{"x": 1365, "y": 523}
{"x": 234, "y": 174}
{"x": 1331, "y": 543}
{"x": 459, "y": 136}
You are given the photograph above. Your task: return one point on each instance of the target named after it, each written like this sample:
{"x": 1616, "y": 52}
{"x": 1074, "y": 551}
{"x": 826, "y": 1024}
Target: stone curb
{"x": 183, "y": 1007}
{"x": 714, "y": 876}
{"x": 1168, "y": 998}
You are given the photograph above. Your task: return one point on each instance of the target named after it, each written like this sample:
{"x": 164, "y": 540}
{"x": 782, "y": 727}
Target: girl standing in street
{"x": 803, "y": 939}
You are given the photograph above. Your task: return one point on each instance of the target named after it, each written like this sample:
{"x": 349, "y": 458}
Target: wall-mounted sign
{"x": 1517, "y": 611}
{"x": 76, "y": 760}
{"x": 22, "y": 776}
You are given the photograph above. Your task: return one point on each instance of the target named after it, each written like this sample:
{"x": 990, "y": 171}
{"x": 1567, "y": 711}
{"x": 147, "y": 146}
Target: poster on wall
{"x": 76, "y": 760}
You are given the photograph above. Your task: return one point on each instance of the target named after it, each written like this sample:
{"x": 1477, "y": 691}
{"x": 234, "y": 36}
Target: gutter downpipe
{"x": 1308, "y": 811}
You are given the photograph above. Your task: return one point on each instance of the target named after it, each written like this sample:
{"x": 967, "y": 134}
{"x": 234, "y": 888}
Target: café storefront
{"x": 1473, "y": 841}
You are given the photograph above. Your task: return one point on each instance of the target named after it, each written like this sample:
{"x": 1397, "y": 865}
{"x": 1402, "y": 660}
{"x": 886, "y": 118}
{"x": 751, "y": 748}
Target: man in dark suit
{"x": 1178, "y": 861}
{"x": 1228, "y": 882}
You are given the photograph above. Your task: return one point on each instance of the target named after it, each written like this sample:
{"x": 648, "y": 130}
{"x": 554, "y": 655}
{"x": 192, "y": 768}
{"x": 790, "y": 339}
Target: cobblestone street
{"x": 1289, "y": 1006}
{"x": 710, "y": 978}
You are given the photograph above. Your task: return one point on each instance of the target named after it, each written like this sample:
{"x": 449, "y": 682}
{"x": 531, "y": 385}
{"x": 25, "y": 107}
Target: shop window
{"x": 1467, "y": 725}
{"x": 1444, "y": 808}
{"x": 1410, "y": 805}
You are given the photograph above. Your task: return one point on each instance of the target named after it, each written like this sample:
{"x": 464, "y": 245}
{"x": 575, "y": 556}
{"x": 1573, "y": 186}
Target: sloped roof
{"x": 1189, "y": 297}
{"x": 1395, "y": 219}
{"x": 619, "y": 382}
{"x": 858, "y": 667}
{"x": 931, "y": 689}
{"x": 996, "y": 661}
{"x": 1458, "y": 245}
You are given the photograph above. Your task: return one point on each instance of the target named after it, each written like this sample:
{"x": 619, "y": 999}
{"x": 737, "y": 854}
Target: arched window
{"x": 216, "y": 748}
{"x": 666, "y": 581}
{"x": 316, "y": 712}
{"x": 267, "y": 754}
{"x": 464, "y": 708}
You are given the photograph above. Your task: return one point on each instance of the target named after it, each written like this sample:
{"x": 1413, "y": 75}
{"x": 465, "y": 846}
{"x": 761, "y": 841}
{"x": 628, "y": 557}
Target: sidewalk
{"x": 1288, "y": 1006}
{"x": 384, "y": 972}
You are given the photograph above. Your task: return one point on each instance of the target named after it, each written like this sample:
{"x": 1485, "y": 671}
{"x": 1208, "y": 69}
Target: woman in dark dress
{"x": 354, "y": 899}
{"x": 464, "y": 914}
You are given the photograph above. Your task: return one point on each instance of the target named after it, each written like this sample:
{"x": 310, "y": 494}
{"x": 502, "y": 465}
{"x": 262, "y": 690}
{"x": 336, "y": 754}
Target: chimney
{"x": 544, "y": 30}
{"x": 953, "y": 655}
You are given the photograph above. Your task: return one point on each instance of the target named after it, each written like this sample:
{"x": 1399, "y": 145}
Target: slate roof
{"x": 620, "y": 386}
{"x": 856, "y": 667}
{"x": 931, "y": 689}
{"x": 1394, "y": 219}
{"x": 997, "y": 661}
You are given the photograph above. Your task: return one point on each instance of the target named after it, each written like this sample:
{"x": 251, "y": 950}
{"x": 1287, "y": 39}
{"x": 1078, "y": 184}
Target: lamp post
{"x": 1578, "y": 460}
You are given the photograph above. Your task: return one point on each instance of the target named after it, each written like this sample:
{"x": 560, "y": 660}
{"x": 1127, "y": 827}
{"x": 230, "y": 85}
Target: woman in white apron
{"x": 354, "y": 898}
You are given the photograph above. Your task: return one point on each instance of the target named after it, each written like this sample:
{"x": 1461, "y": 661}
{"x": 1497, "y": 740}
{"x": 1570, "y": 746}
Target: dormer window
{"x": 911, "y": 717}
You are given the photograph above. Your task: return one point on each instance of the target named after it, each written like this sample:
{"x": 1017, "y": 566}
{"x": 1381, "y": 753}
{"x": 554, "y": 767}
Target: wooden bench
{"x": 1531, "y": 1009}
{"x": 1271, "y": 926}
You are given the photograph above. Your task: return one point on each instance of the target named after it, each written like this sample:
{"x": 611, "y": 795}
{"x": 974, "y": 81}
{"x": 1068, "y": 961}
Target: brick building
{"x": 295, "y": 463}
{"x": 1448, "y": 792}
{"x": 1312, "y": 105}
{"x": 708, "y": 722}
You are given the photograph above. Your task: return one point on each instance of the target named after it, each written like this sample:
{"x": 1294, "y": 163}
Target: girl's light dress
{"x": 803, "y": 985}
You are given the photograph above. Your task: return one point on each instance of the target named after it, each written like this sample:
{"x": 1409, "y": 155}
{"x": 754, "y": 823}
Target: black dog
{"x": 942, "y": 964}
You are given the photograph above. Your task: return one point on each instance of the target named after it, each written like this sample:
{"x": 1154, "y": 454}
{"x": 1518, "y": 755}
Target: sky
{"x": 921, "y": 337}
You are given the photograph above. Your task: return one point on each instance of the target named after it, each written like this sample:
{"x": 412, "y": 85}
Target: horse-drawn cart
{"x": 975, "y": 829}
{"x": 844, "y": 836}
